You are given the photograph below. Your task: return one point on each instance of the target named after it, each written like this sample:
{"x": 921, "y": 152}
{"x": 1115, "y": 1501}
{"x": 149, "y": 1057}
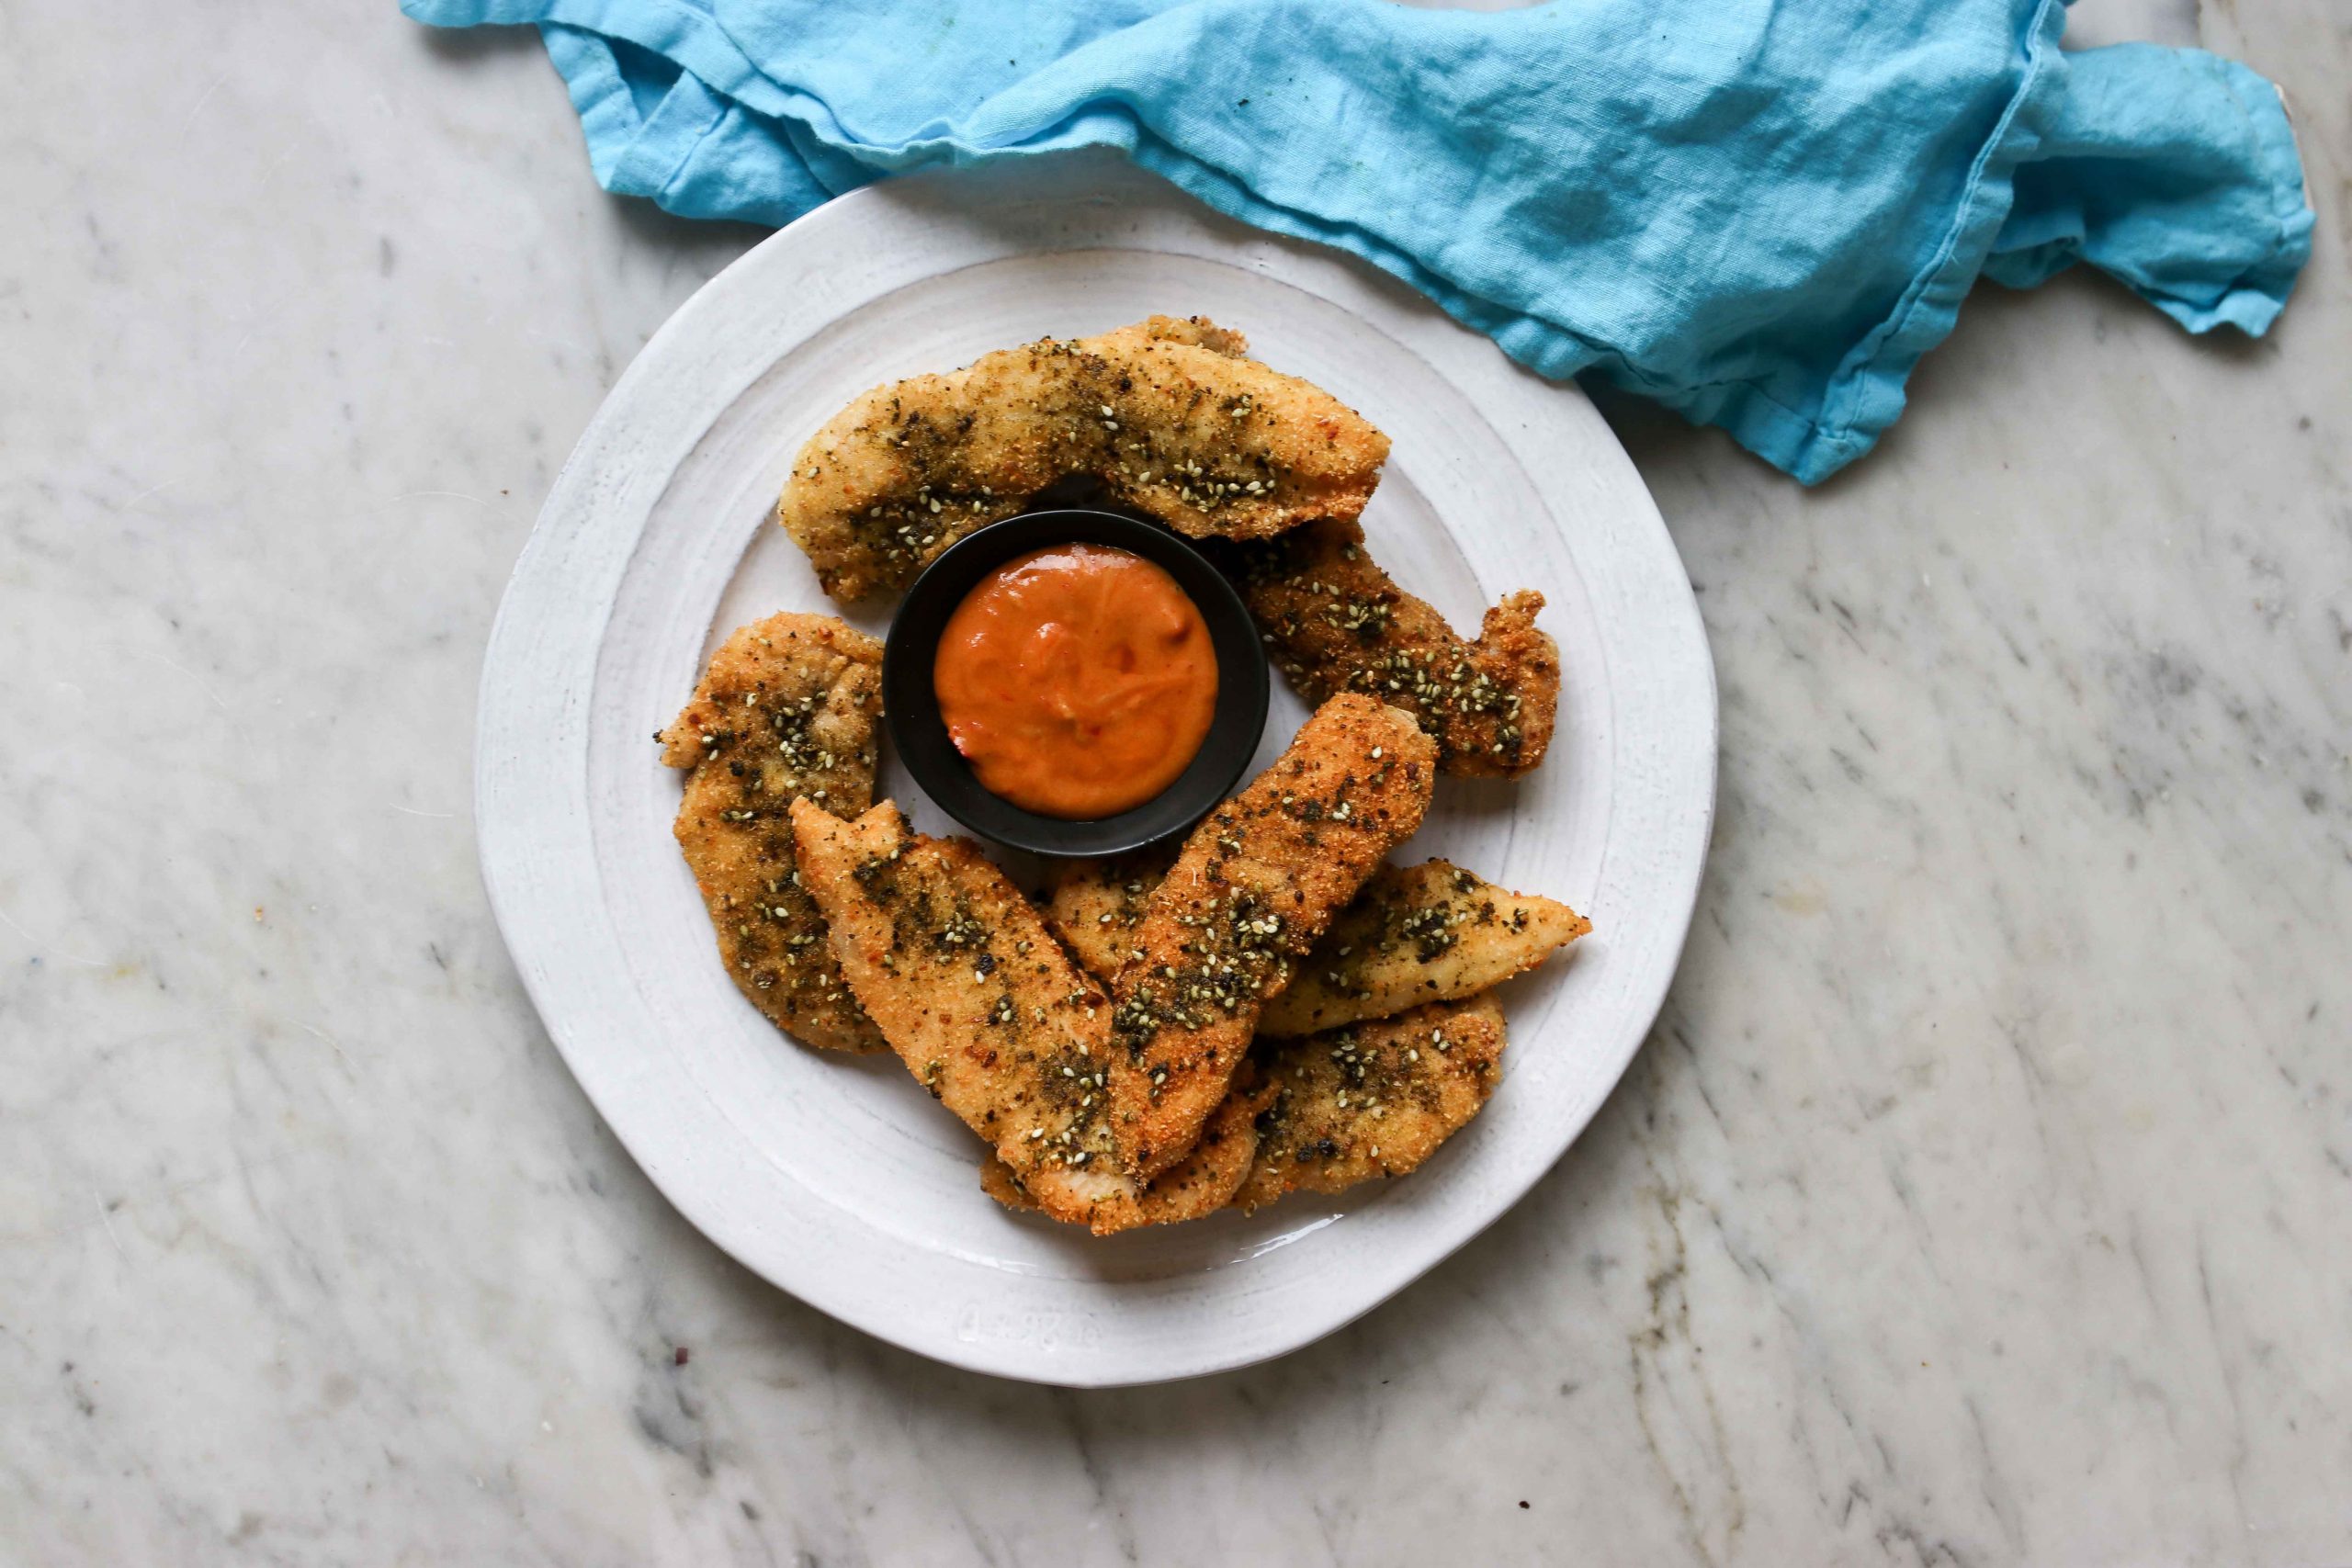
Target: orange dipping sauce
{"x": 1078, "y": 680}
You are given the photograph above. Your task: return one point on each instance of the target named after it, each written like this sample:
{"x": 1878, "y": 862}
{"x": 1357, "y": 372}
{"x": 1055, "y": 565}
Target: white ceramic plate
{"x": 840, "y": 1179}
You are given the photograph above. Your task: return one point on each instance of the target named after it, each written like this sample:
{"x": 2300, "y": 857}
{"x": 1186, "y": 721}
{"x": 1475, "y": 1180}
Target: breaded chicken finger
{"x": 1166, "y": 415}
{"x": 1254, "y": 887}
{"x": 786, "y": 710}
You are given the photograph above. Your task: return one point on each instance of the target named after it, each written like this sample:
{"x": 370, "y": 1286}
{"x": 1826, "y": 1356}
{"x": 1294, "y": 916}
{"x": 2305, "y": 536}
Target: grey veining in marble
{"x": 1982, "y": 1196}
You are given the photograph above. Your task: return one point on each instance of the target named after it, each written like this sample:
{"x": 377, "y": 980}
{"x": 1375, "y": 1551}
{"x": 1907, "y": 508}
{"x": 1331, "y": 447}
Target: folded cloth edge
{"x": 1867, "y": 393}
{"x": 2251, "y": 298}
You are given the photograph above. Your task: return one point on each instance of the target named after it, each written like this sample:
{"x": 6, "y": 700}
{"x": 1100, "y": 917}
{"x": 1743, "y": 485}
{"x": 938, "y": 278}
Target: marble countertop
{"x": 1982, "y": 1196}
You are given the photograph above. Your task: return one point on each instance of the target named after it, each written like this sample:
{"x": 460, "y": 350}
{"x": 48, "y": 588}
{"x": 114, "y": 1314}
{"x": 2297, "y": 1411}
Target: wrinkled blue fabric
{"x": 1759, "y": 213}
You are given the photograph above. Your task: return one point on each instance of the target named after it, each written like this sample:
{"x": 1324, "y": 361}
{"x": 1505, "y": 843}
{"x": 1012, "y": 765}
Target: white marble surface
{"x": 1981, "y": 1198}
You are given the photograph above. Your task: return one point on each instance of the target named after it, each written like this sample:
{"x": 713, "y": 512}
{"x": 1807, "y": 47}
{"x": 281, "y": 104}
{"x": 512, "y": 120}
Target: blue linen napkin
{"x": 1759, "y": 213}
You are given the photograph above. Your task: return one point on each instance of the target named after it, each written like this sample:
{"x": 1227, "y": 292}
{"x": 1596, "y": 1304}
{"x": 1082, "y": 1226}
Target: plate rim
{"x": 505, "y": 829}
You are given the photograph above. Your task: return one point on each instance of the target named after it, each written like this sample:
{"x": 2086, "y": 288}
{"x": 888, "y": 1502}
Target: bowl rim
{"x": 910, "y": 706}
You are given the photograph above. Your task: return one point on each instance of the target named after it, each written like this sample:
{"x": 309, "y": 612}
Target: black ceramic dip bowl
{"x": 910, "y": 703}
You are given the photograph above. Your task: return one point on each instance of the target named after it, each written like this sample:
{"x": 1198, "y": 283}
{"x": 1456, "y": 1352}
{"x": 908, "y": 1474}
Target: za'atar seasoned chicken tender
{"x": 1334, "y": 621}
{"x": 1201, "y": 1183}
{"x": 1252, "y": 890}
{"x": 993, "y": 1017}
{"x": 1420, "y": 933}
{"x": 1372, "y": 1099}
{"x": 1416, "y": 933}
{"x": 785, "y": 711}
{"x": 1169, "y": 416}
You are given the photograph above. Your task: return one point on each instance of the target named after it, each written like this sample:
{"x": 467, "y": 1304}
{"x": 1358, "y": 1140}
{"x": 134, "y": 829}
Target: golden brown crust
{"x": 1335, "y": 622}
{"x": 969, "y": 989}
{"x": 1414, "y": 934}
{"x": 1198, "y": 332}
{"x": 1248, "y": 896}
{"x": 1201, "y": 1183}
{"x": 1095, "y": 906}
{"x": 999, "y": 1183}
{"x": 1418, "y": 935}
{"x": 1166, "y": 414}
{"x": 984, "y": 1007}
{"x": 787, "y": 708}
{"x": 1372, "y": 1099}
